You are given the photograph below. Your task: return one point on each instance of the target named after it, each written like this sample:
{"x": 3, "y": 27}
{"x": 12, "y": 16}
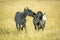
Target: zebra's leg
{"x": 35, "y": 26}
{"x": 43, "y": 26}
{"x": 23, "y": 26}
{"x": 17, "y": 26}
{"x": 39, "y": 27}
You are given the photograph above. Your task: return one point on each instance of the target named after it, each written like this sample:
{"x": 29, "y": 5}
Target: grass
{"x": 8, "y": 29}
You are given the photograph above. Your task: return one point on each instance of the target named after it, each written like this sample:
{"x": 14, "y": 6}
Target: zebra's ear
{"x": 44, "y": 13}
{"x": 24, "y": 8}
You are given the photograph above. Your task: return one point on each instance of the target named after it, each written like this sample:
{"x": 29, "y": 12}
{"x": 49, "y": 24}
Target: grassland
{"x": 8, "y": 29}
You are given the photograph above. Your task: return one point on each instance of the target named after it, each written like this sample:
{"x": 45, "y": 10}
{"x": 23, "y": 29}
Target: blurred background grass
{"x": 8, "y": 30}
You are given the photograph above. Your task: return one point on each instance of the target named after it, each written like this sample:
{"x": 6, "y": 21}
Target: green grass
{"x": 8, "y": 29}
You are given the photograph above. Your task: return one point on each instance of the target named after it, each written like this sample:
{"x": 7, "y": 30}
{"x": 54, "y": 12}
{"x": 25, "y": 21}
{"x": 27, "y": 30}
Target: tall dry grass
{"x": 8, "y": 29}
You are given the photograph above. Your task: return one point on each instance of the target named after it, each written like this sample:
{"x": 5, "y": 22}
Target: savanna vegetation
{"x": 8, "y": 29}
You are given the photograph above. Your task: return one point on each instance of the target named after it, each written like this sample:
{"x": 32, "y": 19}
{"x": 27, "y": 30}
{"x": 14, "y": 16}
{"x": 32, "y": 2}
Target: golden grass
{"x": 8, "y": 29}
